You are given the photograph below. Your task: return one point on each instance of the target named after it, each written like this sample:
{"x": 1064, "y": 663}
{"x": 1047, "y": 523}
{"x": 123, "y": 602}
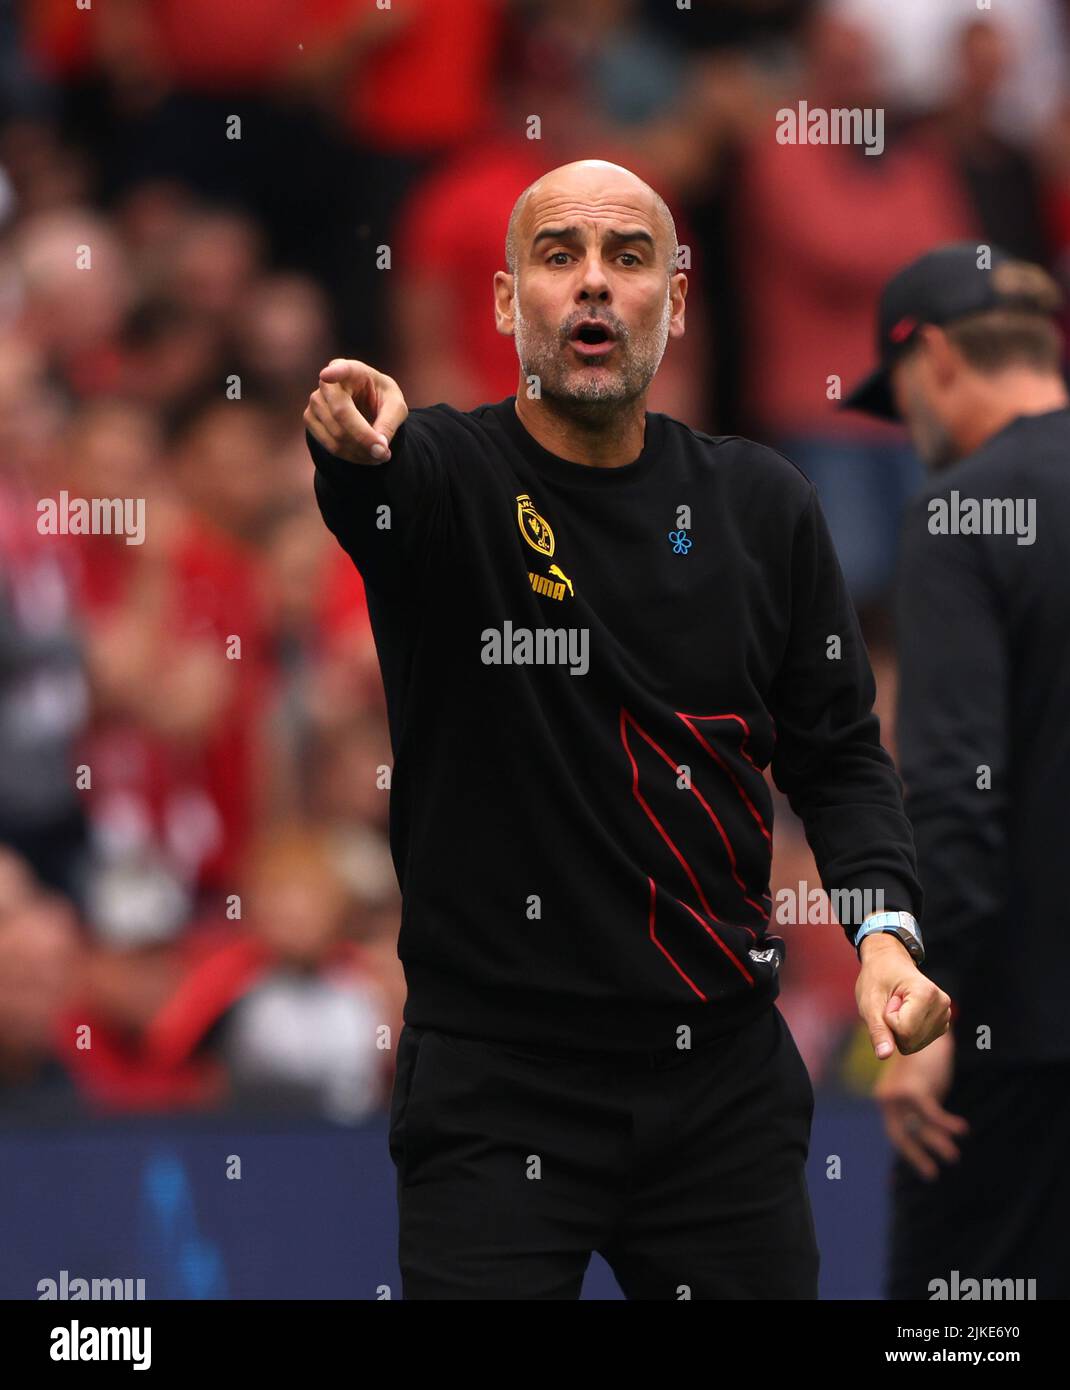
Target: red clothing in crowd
{"x": 199, "y": 800}
{"x": 821, "y": 228}
{"x": 171, "y": 1064}
{"x": 196, "y": 43}
{"x": 451, "y": 233}
{"x": 342, "y": 610}
{"x": 429, "y": 87}
{"x": 425, "y": 86}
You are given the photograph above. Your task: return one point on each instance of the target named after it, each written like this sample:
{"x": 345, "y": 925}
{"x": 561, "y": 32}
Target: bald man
{"x": 597, "y": 627}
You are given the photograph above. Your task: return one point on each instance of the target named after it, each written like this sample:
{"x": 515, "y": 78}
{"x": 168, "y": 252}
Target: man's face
{"x": 592, "y": 305}
{"x": 918, "y": 400}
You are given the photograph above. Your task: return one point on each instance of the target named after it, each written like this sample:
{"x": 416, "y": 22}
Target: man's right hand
{"x": 911, "y": 1090}
{"x": 355, "y": 411}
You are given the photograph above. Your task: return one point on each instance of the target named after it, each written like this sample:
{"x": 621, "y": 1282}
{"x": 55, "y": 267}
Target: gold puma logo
{"x": 550, "y": 588}
{"x": 562, "y": 575}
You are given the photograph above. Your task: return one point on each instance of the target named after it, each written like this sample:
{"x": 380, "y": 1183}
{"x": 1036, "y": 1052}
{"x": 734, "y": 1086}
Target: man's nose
{"x": 594, "y": 283}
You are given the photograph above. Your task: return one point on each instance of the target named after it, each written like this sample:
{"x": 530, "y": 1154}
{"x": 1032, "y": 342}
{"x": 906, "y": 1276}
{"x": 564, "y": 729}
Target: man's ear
{"x": 677, "y": 295}
{"x": 945, "y": 360}
{"x": 504, "y": 286}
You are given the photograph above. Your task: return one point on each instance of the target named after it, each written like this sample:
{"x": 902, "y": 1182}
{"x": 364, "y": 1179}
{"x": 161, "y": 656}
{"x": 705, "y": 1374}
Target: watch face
{"x": 908, "y": 927}
{"x": 912, "y": 941}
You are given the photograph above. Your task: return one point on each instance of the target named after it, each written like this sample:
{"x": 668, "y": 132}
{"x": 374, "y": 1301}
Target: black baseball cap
{"x": 939, "y": 287}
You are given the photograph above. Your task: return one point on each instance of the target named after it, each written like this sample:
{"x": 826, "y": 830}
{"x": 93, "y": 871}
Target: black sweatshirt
{"x": 584, "y": 684}
{"x": 984, "y": 736}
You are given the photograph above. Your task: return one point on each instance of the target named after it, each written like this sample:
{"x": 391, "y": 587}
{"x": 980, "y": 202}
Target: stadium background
{"x": 261, "y": 186}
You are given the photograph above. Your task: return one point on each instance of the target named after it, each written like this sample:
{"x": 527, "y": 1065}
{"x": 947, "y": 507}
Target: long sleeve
{"x": 392, "y": 518}
{"x": 953, "y": 713}
{"x": 828, "y": 760}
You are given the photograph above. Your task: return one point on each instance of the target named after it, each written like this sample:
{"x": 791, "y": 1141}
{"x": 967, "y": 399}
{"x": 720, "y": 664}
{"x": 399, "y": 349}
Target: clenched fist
{"x": 355, "y": 411}
{"x": 901, "y": 1007}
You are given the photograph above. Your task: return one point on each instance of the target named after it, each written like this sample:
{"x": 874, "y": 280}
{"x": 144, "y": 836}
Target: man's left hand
{"x": 899, "y": 1005}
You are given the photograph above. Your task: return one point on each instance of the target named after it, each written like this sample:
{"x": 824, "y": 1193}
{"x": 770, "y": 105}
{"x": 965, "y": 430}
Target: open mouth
{"x": 592, "y": 339}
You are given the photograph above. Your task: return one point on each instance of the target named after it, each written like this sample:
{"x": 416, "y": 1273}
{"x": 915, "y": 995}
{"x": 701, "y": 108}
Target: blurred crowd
{"x": 200, "y": 204}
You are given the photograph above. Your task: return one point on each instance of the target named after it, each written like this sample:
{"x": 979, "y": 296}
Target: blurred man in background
{"x": 971, "y": 361}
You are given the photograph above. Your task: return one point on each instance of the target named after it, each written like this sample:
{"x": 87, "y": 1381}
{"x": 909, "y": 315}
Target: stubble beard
{"x": 932, "y": 442}
{"x": 589, "y": 393}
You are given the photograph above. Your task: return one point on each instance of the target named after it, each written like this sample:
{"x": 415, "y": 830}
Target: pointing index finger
{"x": 392, "y": 411}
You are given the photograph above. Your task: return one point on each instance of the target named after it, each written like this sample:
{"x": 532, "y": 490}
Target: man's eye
{"x": 632, "y": 257}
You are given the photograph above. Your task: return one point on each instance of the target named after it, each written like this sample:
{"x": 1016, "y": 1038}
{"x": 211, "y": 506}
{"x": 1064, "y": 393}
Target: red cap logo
{"x": 903, "y": 329}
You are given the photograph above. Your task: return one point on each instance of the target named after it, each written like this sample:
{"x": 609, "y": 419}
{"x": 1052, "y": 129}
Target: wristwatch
{"x": 900, "y": 924}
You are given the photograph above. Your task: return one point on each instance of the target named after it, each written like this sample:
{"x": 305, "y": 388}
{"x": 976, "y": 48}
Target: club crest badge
{"x": 534, "y": 528}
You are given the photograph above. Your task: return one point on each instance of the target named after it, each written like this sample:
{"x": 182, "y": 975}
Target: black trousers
{"x": 684, "y": 1170}
{"x": 1003, "y": 1210}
